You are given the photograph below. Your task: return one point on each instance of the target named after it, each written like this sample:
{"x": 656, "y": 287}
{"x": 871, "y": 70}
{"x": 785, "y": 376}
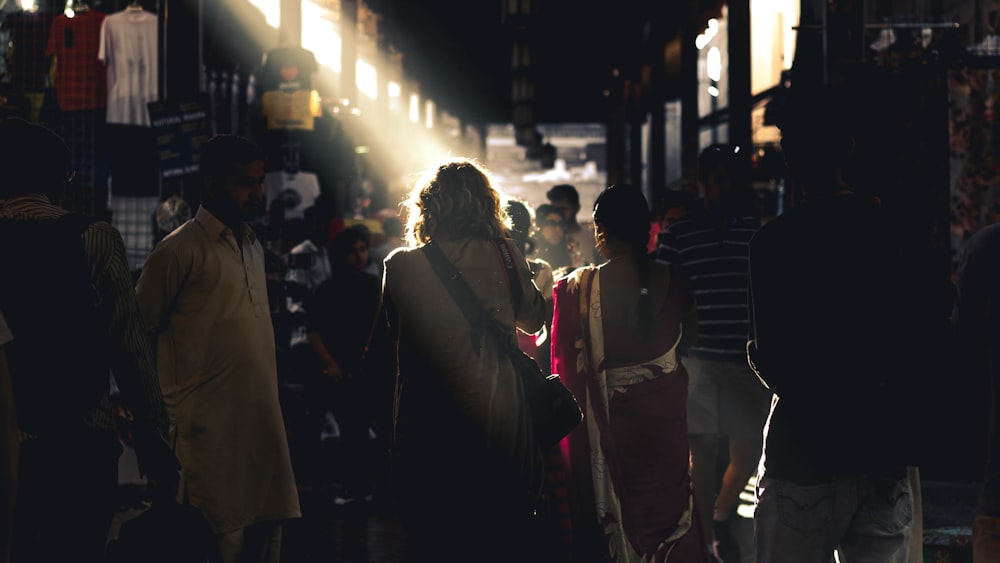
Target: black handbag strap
{"x": 458, "y": 288}
{"x": 513, "y": 280}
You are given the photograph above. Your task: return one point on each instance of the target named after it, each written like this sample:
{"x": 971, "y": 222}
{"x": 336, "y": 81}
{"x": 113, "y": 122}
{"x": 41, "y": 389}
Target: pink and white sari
{"x": 630, "y": 488}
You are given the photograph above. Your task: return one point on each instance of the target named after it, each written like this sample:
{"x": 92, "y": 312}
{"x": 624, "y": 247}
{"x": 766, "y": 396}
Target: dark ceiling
{"x": 458, "y": 50}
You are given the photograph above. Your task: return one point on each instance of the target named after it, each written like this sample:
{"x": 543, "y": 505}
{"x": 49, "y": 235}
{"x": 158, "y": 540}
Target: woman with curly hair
{"x": 466, "y": 469}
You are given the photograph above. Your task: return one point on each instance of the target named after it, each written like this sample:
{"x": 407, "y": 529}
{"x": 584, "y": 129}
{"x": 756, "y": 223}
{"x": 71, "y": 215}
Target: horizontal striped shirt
{"x": 714, "y": 257}
{"x": 131, "y": 359}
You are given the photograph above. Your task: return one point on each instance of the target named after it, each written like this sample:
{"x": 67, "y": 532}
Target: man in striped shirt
{"x": 724, "y": 396}
{"x": 69, "y": 442}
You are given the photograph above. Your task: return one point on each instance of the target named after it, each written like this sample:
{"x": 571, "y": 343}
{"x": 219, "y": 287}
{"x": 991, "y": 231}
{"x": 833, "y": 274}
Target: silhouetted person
{"x": 977, "y": 311}
{"x": 579, "y": 237}
{"x": 203, "y": 296}
{"x": 340, "y": 317}
{"x": 550, "y": 237}
{"x": 841, "y": 336}
{"x": 67, "y": 295}
{"x": 618, "y": 330}
{"x": 725, "y": 401}
{"x": 522, "y": 227}
{"x": 465, "y": 464}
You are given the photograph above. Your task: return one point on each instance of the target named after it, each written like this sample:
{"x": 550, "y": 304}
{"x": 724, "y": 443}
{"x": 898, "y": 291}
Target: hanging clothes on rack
{"x": 79, "y": 85}
{"x": 129, "y": 49}
{"x": 79, "y": 78}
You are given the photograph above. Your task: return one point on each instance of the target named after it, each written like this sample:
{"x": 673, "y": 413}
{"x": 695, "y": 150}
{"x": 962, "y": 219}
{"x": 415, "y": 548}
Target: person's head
{"x": 719, "y": 171}
{"x": 350, "y": 247}
{"x": 566, "y": 198}
{"x": 521, "y": 224}
{"x": 455, "y": 199}
{"x": 392, "y": 227}
{"x": 34, "y": 159}
{"x": 551, "y": 223}
{"x": 621, "y": 227}
{"x": 232, "y": 171}
{"x": 621, "y": 220}
{"x": 816, "y": 143}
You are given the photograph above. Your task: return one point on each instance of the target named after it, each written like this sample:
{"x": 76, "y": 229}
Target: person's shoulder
{"x": 182, "y": 240}
{"x": 989, "y": 235}
{"x": 182, "y": 234}
{"x": 985, "y": 241}
{"x": 402, "y": 257}
{"x": 748, "y": 222}
{"x": 568, "y": 279}
{"x": 692, "y": 222}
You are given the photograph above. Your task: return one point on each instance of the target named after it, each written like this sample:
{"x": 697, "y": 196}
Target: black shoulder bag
{"x": 554, "y": 410}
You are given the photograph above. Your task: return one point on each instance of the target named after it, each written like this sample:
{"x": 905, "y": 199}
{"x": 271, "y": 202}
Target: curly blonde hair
{"x": 455, "y": 199}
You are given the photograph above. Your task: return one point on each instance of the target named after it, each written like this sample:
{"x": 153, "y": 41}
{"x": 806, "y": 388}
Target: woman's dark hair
{"x": 622, "y": 212}
{"x": 521, "y": 222}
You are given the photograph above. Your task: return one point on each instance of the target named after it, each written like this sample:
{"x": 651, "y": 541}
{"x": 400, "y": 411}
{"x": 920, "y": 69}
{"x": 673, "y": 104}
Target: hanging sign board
{"x": 180, "y": 129}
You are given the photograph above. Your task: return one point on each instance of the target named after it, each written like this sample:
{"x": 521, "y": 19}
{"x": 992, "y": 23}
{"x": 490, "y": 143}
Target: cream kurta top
{"x": 207, "y": 305}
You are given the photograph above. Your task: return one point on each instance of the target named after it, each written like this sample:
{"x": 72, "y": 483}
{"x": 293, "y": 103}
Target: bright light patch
{"x": 28, "y": 5}
{"x": 714, "y": 64}
{"x": 319, "y": 35}
{"x": 271, "y": 10}
{"x": 429, "y": 114}
{"x": 713, "y": 91}
{"x": 705, "y": 37}
{"x": 395, "y": 92}
{"x": 414, "y": 108}
{"x": 366, "y": 79}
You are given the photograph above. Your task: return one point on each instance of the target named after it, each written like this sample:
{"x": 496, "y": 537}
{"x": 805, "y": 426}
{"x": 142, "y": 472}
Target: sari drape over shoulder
{"x": 628, "y": 461}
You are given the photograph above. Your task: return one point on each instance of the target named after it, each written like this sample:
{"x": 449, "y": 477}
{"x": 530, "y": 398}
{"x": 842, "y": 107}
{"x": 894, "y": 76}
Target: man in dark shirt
{"x": 839, "y": 333}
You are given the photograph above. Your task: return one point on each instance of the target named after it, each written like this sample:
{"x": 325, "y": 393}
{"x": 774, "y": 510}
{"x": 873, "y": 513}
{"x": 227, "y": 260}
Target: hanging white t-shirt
{"x": 297, "y": 190}
{"x": 129, "y": 50}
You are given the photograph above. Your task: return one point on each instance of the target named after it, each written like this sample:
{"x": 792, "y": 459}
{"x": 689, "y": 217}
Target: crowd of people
{"x": 698, "y": 339}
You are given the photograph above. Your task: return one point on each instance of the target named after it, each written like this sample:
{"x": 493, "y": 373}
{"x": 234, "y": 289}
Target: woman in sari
{"x": 618, "y": 330}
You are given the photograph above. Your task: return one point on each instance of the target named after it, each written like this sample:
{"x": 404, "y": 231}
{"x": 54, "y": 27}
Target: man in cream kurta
{"x": 203, "y": 294}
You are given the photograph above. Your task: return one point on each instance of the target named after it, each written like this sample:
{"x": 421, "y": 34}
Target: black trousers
{"x": 66, "y": 497}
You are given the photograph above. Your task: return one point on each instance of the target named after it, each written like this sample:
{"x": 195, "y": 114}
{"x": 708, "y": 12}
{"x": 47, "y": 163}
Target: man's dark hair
{"x": 562, "y": 192}
{"x": 520, "y": 224}
{"x": 34, "y": 159}
{"x": 715, "y": 157}
{"x": 547, "y": 209}
{"x": 343, "y": 244}
{"x": 221, "y": 154}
